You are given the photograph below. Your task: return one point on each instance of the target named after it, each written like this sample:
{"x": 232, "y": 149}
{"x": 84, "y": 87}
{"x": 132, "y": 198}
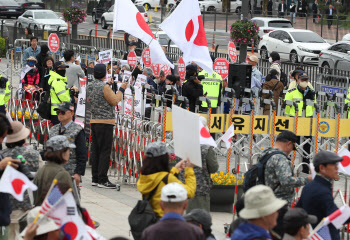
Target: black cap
{"x": 200, "y": 216}
{"x": 297, "y": 72}
{"x": 59, "y": 64}
{"x": 297, "y": 217}
{"x": 324, "y": 157}
{"x": 286, "y": 136}
{"x": 65, "y": 106}
{"x": 100, "y": 71}
{"x": 191, "y": 67}
{"x": 133, "y": 43}
{"x": 303, "y": 76}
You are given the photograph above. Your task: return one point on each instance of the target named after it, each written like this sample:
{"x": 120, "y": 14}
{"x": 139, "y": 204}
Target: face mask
{"x": 31, "y": 63}
{"x": 61, "y": 72}
{"x": 270, "y": 59}
{"x": 303, "y": 84}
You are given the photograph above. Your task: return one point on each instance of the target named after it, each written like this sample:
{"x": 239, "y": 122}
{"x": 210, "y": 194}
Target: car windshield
{"x": 280, "y": 24}
{"x": 164, "y": 39}
{"x": 45, "y": 15}
{"x": 34, "y": 1}
{"x": 141, "y": 9}
{"x": 307, "y": 37}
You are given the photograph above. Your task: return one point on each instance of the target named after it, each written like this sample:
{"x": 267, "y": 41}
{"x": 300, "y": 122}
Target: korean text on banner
{"x": 105, "y": 56}
{"x": 186, "y": 136}
{"x": 81, "y": 98}
{"x": 126, "y": 76}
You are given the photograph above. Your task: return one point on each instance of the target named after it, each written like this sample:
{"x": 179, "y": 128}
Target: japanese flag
{"x": 338, "y": 217}
{"x": 227, "y": 137}
{"x": 344, "y": 166}
{"x": 15, "y": 183}
{"x": 204, "y": 136}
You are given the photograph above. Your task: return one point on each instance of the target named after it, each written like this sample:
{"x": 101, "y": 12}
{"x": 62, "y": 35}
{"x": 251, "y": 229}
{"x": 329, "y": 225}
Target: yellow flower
{"x": 216, "y": 174}
{"x": 219, "y": 182}
{"x": 221, "y": 173}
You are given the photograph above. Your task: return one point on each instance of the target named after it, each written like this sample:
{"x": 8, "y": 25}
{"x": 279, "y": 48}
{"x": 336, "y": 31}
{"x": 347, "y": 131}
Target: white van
{"x": 211, "y": 5}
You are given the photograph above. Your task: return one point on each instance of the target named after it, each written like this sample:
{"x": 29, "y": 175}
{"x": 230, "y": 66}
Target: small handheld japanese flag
{"x": 344, "y": 166}
{"x": 227, "y": 137}
{"x": 15, "y": 183}
{"x": 204, "y": 136}
{"x": 338, "y": 217}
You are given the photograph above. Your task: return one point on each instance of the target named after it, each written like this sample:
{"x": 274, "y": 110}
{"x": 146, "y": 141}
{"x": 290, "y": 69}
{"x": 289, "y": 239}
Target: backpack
{"x": 44, "y": 108}
{"x": 142, "y": 215}
{"x": 256, "y": 173}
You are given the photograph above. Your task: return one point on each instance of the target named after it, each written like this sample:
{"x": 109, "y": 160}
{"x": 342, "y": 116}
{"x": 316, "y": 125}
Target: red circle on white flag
{"x": 204, "y": 133}
{"x": 17, "y": 185}
{"x": 346, "y": 161}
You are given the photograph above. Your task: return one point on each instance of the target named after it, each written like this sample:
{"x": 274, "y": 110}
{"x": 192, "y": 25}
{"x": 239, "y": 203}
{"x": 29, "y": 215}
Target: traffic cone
{"x": 150, "y": 18}
{"x": 167, "y": 8}
{"x": 146, "y": 7}
{"x": 155, "y": 8}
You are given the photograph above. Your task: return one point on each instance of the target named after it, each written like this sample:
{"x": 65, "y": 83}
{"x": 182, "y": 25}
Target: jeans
{"x": 102, "y": 139}
{"x": 292, "y": 17}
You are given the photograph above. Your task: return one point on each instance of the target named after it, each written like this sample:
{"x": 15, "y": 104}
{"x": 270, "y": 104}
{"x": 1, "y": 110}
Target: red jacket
{"x": 32, "y": 77}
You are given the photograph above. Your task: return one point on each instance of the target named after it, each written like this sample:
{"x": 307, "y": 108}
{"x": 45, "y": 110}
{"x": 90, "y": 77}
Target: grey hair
{"x": 148, "y": 70}
{"x": 127, "y": 67}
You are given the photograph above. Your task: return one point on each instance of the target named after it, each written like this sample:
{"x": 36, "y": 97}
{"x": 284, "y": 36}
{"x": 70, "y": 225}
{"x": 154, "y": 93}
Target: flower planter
{"x": 222, "y": 197}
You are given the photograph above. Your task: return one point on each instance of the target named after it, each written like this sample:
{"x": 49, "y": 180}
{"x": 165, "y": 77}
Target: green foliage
{"x": 2, "y": 47}
{"x": 244, "y": 32}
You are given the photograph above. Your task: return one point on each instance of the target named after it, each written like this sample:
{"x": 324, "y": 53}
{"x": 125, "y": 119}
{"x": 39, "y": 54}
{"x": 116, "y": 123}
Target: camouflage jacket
{"x": 100, "y": 108}
{"x": 209, "y": 165}
{"x": 279, "y": 176}
{"x": 33, "y": 160}
{"x": 71, "y": 133}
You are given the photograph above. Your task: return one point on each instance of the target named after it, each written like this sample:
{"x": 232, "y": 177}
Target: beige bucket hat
{"x": 32, "y": 58}
{"x": 260, "y": 201}
{"x": 20, "y": 132}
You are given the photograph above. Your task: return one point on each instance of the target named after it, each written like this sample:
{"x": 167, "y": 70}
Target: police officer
{"x": 59, "y": 92}
{"x": 76, "y": 135}
{"x": 192, "y": 88}
{"x": 5, "y": 93}
{"x": 300, "y": 95}
{"x": 316, "y": 197}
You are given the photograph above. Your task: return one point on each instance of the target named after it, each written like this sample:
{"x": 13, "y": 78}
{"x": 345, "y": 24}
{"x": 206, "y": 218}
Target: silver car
{"x": 336, "y": 56}
{"x": 42, "y": 19}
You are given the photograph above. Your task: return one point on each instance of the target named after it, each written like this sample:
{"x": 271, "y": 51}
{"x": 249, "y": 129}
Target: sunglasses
{"x": 61, "y": 112}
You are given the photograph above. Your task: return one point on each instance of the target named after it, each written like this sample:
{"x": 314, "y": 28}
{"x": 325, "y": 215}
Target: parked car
{"x": 336, "y": 56}
{"x": 107, "y": 17}
{"x": 100, "y": 9}
{"x": 163, "y": 39}
{"x": 346, "y": 37}
{"x": 10, "y": 8}
{"x": 42, "y": 19}
{"x": 212, "y": 5}
{"x": 293, "y": 44}
{"x": 267, "y": 24}
{"x": 152, "y": 3}
{"x": 31, "y": 4}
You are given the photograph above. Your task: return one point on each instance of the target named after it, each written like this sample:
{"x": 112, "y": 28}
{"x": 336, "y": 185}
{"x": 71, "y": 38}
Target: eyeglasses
{"x": 61, "y": 112}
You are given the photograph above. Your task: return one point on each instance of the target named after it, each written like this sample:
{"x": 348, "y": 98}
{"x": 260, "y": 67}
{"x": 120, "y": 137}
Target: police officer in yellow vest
{"x": 300, "y": 95}
{"x": 347, "y": 100}
{"x": 5, "y": 93}
{"x": 59, "y": 91}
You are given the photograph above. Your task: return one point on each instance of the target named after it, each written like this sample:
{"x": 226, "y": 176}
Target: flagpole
{"x": 54, "y": 182}
{"x": 318, "y": 227}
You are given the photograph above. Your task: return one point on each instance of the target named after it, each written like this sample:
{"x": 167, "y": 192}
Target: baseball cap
{"x": 59, "y": 64}
{"x": 156, "y": 149}
{"x": 200, "y": 216}
{"x": 100, "y": 70}
{"x": 297, "y": 217}
{"x": 57, "y": 143}
{"x": 254, "y": 58}
{"x": 297, "y": 72}
{"x": 65, "y": 106}
{"x": 173, "y": 192}
{"x": 286, "y": 136}
{"x": 303, "y": 76}
{"x": 46, "y": 224}
{"x": 324, "y": 157}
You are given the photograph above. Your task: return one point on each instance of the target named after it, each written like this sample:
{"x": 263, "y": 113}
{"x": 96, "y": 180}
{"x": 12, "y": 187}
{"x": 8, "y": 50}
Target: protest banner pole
{"x": 295, "y": 131}
{"x": 338, "y": 126}
{"x": 318, "y": 227}
{"x": 54, "y": 182}
{"x": 11, "y": 66}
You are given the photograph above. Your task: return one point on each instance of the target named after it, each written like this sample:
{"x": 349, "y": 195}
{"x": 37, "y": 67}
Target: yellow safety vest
{"x": 347, "y": 100}
{"x": 295, "y": 95}
{"x": 211, "y": 85}
{"x": 59, "y": 91}
{"x": 5, "y": 94}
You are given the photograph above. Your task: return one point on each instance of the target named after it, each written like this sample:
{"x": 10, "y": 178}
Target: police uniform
{"x": 347, "y": 100}
{"x": 212, "y": 85}
{"x": 5, "y": 93}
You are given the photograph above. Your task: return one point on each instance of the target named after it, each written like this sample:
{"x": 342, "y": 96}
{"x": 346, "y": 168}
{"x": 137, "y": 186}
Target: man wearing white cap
{"x": 261, "y": 212}
{"x": 172, "y": 225}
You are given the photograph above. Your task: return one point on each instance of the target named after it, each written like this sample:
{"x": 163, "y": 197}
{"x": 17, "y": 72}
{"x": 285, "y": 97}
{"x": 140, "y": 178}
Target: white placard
{"x": 127, "y": 76}
{"x": 142, "y": 79}
{"x": 105, "y": 56}
{"x": 186, "y": 136}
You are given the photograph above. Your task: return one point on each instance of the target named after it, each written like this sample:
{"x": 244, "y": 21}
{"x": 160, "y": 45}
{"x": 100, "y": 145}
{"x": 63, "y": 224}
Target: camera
{"x": 73, "y": 93}
{"x": 23, "y": 168}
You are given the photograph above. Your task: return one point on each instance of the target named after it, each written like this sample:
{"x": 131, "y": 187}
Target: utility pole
{"x": 244, "y": 16}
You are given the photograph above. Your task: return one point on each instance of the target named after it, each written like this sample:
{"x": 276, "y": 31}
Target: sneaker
{"x": 107, "y": 184}
{"x": 94, "y": 184}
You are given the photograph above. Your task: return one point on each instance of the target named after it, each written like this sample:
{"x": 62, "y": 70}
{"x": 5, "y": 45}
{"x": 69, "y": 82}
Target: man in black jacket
{"x": 269, "y": 8}
{"x": 192, "y": 89}
{"x": 314, "y": 11}
{"x": 330, "y": 13}
{"x": 282, "y": 9}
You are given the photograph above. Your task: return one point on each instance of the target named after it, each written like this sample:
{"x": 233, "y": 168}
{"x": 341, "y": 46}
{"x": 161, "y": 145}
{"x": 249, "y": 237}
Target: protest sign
{"x": 127, "y": 76}
{"x": 105, "y": 56}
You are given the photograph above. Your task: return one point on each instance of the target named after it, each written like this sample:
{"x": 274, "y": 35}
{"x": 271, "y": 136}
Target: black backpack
{"x": 256, "y": 173}
{"x": 142, "y": 215}
{"x": 44, "y": 108}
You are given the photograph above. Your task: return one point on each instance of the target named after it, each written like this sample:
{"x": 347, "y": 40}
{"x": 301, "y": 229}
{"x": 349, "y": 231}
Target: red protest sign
{"x": 232, "y": 51}
{"x": 166, "y": 69}
{"x": 156, "y": 69}
{"x": 146, "y": 57}
{"x": 182, "y": 68}
{"x": 221, "y": 67}
{"x": 132, "y": 59}
{"x": 54, "y": 42}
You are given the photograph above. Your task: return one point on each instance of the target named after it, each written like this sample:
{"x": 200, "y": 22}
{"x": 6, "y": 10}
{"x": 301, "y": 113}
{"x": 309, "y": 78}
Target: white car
{"x": 152, "y": 3}
{"x": 163, "y": 39}
{"x": 267, "y": 24}
{"x": 295, "y": 45}
{"x": 211, "y": 5}
{"x": 346, "y": 37}
{"x": 42, "y": 19}
{"x": 107, "y": 17}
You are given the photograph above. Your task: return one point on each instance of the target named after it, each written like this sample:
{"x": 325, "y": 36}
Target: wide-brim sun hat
{"x": 260, "y": 201}
{"x": 32, "y": 58}
{"x": 20, "y": 132}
